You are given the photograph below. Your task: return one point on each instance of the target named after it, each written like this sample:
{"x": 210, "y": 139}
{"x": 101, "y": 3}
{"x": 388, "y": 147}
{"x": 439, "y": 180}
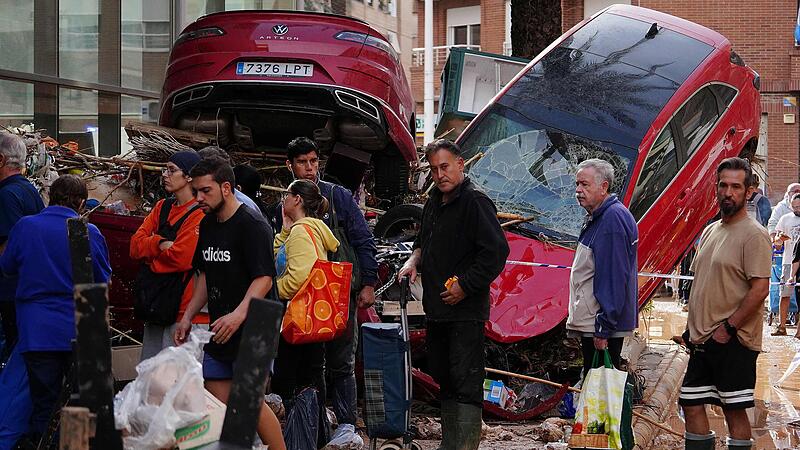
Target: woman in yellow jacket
{"x": 303, "y": 239}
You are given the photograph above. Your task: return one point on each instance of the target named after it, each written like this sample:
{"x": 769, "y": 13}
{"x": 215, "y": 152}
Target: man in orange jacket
{"x": 167, "y": 255}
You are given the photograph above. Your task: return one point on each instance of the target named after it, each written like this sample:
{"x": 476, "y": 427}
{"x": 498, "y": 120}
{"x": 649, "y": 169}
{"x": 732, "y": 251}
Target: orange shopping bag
{"x": 318, "y": 312}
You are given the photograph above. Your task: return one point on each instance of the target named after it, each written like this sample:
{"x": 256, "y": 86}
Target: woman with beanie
{"x": 165, "y": 244}
{"x": 303, "y": 239}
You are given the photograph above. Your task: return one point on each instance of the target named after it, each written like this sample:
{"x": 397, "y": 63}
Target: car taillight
{"x": 372, "y": 41}
{"x": 200, "y": 33}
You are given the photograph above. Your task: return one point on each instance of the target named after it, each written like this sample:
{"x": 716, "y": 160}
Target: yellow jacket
{"x": 295, "y": 254}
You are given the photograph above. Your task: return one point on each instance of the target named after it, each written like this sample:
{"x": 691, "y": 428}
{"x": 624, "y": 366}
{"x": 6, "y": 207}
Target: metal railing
{"x": 440, "y": 54}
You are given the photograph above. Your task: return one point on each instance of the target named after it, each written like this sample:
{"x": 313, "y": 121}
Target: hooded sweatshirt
{"x": 781, "y": 209}
{"x": 603, "y": 284}
{"x": 296, "y": 253}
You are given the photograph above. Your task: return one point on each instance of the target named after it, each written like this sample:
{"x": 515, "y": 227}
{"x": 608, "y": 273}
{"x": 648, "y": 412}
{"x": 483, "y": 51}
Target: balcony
{"x": 507, "y": 48}
{"x": 440, "y": 54}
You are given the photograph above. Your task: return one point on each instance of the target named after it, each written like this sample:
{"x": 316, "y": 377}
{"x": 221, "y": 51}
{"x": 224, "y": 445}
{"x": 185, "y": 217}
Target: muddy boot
{"x": 700, "y": 441}
{"x": 740, "y": 444}
{"x": 469, "y": 426}
{"x": 449, "y": 424}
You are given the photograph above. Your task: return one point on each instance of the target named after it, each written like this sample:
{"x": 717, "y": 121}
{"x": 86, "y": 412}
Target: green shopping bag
{"x": 600, "y": 405}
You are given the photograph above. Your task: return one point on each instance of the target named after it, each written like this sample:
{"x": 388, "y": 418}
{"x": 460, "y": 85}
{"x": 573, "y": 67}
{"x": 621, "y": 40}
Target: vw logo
{"x": 280, "y": 29}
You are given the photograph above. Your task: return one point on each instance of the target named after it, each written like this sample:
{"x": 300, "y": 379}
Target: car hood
{"x": 528, "y": 301}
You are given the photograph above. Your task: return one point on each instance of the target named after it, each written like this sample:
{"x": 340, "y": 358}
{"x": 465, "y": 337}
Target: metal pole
{"x": 428, "y": 71}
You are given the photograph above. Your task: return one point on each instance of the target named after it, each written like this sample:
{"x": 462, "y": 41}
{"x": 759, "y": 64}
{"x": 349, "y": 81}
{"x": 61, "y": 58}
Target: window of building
{"x": 17, "y": 100}
{"x": 464, "y": 26}
{"x": 146, "y": 40}
{"x": 591, "y": 7}
{"x": 78, "y": 39}
{"x": 16, "y": 35}
{"x": 77, "y": 118}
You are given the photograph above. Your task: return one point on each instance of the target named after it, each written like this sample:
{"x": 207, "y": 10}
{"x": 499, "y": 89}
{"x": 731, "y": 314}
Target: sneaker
{"x": 345, "y": 436}
{"x": 780, "y": 331}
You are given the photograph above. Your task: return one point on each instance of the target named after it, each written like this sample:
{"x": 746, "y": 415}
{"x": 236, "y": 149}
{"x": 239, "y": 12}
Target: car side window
{"x": 659, "y": 169}
{"x": 697, "y": 118}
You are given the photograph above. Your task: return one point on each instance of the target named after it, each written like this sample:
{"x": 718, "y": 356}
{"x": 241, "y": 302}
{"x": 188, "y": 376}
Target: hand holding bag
{"x": 318, "y": 311}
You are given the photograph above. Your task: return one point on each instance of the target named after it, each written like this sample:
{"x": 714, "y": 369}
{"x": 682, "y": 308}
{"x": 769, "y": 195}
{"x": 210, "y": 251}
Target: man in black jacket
{"x": 459, "y": 251}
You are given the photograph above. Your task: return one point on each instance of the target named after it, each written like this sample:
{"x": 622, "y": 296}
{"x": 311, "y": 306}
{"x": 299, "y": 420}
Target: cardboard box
{"x": 124, "y": 360}
{"x": 496, "y": 392}
{"x": 206, "y": 430}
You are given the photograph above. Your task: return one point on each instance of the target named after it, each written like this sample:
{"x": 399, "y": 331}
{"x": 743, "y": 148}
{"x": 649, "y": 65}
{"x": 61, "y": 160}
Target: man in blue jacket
{"x": 38, "y": 253}
{"x": 302, "y": 158}
{"x": 603, "y": 282}
{"x": 18, "y": 198}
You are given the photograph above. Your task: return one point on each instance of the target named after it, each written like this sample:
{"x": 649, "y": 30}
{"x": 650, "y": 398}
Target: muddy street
{"x": 776, "y": 407}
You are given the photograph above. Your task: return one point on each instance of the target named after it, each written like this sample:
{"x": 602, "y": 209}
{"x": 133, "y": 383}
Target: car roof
{"x": 673, "y": 23}
{"x": 288, "y": 15}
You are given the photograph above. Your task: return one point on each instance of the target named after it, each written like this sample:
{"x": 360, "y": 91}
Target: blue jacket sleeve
{"x": 100, "y": 258}
{"x": 358, "y": 234}
{"x": 611, "y": 276}
{"x": 10, "y": 212}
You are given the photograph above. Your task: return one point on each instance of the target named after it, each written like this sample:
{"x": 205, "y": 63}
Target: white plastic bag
{"x": 167, "y": 394}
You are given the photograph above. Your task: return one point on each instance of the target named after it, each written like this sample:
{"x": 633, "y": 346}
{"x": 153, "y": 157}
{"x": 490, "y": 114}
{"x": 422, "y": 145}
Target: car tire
{"x": 391, "y": 176}
{"x": 400, "y": 223}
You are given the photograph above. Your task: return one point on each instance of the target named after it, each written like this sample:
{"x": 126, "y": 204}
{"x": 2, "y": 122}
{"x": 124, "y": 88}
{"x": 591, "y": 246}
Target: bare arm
{"x": 410, "y": 267}
{"x": 227, "y": 325}
{"x": 198, "y": 300}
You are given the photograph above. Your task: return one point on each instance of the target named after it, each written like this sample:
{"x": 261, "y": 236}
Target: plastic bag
{"x": 599, "y": 408}
{"x": 302, "y": 423}
{"x": 167, "y": 394}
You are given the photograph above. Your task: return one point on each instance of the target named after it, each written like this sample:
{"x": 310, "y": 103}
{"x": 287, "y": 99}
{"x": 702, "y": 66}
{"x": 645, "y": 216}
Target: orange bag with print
{"x": 319, "y": 310}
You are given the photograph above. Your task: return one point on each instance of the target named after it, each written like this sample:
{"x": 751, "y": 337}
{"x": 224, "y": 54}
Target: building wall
{"x": 761, "y": 32}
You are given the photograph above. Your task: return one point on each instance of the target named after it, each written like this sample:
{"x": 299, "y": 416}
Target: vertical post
{"x": 77, "y": 427}
{"x": 82, "y": 270}
{"x": 256, "y": 351}
{"x": 94, "y": 362}
{"x": 428, "y": 71}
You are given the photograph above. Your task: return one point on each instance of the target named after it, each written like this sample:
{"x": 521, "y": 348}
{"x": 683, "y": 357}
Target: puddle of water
{"x": 776, "y": 407}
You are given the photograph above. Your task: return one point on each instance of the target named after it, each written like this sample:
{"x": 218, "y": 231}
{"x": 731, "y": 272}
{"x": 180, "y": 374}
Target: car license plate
{"x": 275, "y": 69}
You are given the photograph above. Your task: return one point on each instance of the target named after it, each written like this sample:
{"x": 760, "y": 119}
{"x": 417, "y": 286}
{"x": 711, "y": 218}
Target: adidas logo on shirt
{"x": 216, "y": 255}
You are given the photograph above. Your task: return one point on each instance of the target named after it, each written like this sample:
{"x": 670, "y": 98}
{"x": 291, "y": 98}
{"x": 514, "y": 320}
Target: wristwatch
{"x": 729, "y": 328}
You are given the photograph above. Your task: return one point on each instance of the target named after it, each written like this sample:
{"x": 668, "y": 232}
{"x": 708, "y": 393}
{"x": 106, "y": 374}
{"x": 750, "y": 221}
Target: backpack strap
{"x": 313, "y": 240}
{"x": 177, "y": 225}
{"x": 166, "y": 207}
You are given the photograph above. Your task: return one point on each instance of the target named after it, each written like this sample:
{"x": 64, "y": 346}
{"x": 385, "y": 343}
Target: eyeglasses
{"x": 285, "y": 195}
{"x": 169, "y": 171}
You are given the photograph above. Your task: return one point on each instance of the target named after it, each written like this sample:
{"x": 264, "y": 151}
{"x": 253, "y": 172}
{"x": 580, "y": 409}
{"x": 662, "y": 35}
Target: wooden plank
{"x": 77, "y": 427}
{"x": 94, "y": 362}
{"x": 257, "y": 350}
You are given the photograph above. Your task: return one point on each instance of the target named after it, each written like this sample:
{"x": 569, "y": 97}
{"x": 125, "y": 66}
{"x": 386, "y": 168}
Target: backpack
{"x": 345, "y": 252}
{"x": 157, "y": 296}
{"x": 752, "y": 207}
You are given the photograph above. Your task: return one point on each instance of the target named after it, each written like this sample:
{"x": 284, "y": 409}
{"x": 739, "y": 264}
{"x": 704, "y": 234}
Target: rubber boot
{"x": 449, "y": 424}
{"x": 700, "y": 441}
{"x": 740, "y": 444}
{"x": 469, "y": 426}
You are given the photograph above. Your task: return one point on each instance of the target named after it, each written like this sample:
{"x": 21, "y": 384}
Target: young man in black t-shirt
{"x": 234, "y": 263}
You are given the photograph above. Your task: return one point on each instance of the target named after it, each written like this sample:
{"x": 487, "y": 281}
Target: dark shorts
{"x": 214, "y": 369}
{"x": 720, "y": 374}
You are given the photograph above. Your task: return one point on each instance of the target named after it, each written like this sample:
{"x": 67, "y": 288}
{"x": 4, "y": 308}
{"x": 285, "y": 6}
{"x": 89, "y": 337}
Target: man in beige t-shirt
{"x": 732, "y": 270}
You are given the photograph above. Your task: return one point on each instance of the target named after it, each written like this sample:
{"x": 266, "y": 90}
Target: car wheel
{"x": 391, "y": 176}
{"x": 400, "y": 223}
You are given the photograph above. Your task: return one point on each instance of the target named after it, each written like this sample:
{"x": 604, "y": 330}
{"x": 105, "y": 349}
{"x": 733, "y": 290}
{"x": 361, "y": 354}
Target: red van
{"x": 257, "y": 79}
{"x": 661, "y": 98}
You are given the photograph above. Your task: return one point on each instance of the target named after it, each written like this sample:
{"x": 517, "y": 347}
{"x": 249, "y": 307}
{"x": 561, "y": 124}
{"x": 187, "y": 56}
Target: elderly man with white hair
{"x": 18, "y": 198}
{"x": 603, "y": 282}
{"x": 782, "y": 208}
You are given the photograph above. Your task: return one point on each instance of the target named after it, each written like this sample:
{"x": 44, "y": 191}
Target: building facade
{"x": 475, "y": 24}
{"x": 762, "y": 33}
{"x": 80, "y": 69}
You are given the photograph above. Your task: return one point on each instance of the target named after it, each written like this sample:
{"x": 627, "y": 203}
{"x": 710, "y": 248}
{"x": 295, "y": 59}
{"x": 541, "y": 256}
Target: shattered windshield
{"x": 529, "y": 170}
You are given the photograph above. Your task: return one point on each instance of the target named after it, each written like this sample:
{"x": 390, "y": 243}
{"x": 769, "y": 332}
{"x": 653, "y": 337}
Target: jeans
{"x": 456, "y": 359}
{"x": 340, "y": 362}
{"x": 46, "y": 372}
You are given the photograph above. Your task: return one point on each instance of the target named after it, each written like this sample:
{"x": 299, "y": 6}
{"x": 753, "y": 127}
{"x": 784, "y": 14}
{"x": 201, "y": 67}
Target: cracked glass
{"x": 530, "y": 171}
